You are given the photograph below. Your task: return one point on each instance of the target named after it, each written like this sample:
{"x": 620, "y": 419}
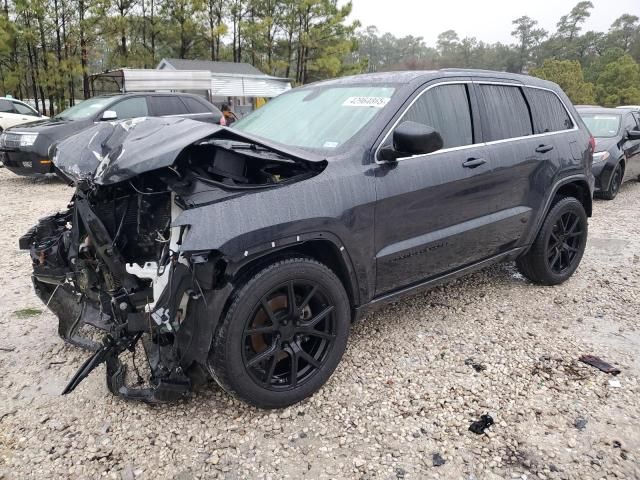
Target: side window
{"x": 24, "y": 110}
{"x": 549, "y": 115}
{"x": 504, "y": 112}
{"x": 166, "y": 105}
{"x": 445, "y": 108}
{"x": 131, "y": 108}
{"x": 637, "y": 117}
{"x": 195, "y": 106}
{"x": 629, "y": 123}
{"x": 6, "y": 106}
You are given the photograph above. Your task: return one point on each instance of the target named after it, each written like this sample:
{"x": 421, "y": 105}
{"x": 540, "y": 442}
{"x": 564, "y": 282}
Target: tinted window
{"x": 549, "y": 115}
{"x": 131, "y": 108}
{"x": 445, "y": 108}
{"x": 504, "y": 112}
{"x": 6, "y": 106}
{"x": 629, "y": 123}
{"x": 167, "y": 106}
{"x": 637, "y": 117}
{"x": 24, "y": 109}
{"x": 195, "y": 106}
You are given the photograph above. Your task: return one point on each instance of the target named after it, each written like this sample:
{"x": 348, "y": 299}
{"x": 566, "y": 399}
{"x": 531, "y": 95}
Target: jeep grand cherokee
{"x": 246, "y": 253}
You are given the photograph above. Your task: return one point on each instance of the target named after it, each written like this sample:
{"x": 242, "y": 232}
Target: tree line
{"x": 48, "y": 48}
{"x": 592, "y": 67}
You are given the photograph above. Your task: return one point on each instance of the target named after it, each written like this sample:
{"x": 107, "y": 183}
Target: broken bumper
{"x": 67, "y": 285}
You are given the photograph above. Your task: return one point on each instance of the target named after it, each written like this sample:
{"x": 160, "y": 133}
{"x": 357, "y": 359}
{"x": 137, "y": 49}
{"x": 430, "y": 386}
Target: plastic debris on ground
{"x": 481, "y": 425}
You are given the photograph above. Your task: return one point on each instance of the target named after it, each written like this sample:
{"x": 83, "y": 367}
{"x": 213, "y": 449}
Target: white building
{"x": 237, "y": 84}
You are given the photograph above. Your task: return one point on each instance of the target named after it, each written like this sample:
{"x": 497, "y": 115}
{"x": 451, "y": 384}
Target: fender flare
{"x": 237, "y": 263}
{"x": 620, "y": 159}
{"x": 547, "y": 206}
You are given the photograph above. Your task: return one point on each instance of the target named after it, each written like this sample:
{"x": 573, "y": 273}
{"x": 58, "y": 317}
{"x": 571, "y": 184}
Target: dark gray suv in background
{"x": 25, "y": 149}
{"x": 246, "y": 253}
{"x": 617, "y": 152}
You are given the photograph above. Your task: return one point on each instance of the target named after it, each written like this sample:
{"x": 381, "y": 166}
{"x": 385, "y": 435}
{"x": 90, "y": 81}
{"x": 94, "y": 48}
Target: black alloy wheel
{"x": 559, "y": 245}
{"x": 564, "y": 242}
{"x": 289, "y": 335}
{"x": 614, "y": 183}
{"x": 283, "y": 334}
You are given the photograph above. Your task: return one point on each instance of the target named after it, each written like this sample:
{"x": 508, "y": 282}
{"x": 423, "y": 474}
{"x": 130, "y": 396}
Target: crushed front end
{"x": 113, "y": 261}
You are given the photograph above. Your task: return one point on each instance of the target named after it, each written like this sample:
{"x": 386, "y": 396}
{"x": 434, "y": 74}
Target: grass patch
{"x": 27, "y": 312}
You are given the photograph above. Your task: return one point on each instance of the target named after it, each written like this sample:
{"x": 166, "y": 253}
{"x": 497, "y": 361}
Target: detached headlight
{"x": 28, "y": 139}
{"x": 600, "y": 157}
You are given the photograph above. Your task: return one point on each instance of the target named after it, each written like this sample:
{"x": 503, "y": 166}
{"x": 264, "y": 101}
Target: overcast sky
{"x": 488, "y": 20}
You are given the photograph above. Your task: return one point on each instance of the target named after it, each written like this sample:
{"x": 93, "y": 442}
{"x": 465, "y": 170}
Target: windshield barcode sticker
{"x": 377, "y": 102}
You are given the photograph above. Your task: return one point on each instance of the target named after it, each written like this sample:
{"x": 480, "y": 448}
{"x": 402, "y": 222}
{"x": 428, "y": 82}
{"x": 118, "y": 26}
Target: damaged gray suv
{"x": 244, "y": 254}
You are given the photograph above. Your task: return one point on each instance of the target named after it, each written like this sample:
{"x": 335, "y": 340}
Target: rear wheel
{"x": 559, "y": 246}
{"x": 283, "y": 335}
{"x": 614, "y": 184}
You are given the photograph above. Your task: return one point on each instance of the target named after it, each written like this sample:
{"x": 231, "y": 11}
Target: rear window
{"x": 549, "y": 115}
{"x": 166, "y": 105}
{"x": 195, "y": 106}
{"x": 504, "y": 112}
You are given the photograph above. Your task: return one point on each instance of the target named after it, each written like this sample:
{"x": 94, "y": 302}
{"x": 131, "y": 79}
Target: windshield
{"x": 602, "y": 125}
{"x": 86, "y": 109}
{"x": 321, "y": 118}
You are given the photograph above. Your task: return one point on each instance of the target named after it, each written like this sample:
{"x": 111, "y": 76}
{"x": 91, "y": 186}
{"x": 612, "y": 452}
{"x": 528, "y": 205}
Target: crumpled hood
{"x": 113, "y": 152}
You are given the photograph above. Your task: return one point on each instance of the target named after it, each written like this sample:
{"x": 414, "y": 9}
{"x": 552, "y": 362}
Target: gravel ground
{"x": 415, "y": 375}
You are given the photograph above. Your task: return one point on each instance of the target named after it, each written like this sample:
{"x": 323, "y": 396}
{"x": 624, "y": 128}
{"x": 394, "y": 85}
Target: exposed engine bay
{"x": 114, "y": 260}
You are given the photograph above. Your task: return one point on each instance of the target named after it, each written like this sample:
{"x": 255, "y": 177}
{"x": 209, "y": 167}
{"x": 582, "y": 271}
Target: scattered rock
{"x": 437, "y": 460}
{"x": 580, "y": 423}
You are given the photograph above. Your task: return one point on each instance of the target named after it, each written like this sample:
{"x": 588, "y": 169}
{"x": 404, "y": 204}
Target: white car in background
{"x": 14, "y": 112}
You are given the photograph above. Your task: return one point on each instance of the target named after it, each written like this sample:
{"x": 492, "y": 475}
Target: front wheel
{"x": 559, "y": 246}
{"x": 614, "y": 183}
{"x": 283, "y": 335}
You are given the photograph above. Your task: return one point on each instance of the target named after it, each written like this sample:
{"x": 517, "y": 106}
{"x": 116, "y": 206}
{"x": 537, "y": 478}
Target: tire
{"x": 559, "y": 245}
{"x": 272, "y": 356}
{"x": 614, "y": 183}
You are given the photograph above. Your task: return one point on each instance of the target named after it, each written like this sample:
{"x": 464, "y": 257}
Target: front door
{"x": 432, "y": 213}
{"x": 630, "y": 147}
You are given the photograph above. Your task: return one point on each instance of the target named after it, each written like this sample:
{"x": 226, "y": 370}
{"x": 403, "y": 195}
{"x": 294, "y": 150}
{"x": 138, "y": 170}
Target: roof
{"x": 418, "y": 76}
{"x": 611, "y": 111}
{"x": 213, "y": 67}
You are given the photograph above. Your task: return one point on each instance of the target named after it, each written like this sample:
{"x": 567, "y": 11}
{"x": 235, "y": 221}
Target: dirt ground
{"x": 414, "y": 377}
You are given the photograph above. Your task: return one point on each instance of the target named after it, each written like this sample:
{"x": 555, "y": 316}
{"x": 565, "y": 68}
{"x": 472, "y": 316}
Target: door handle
{"x": 544, "y": 148}
{"x": 474, "y": 162}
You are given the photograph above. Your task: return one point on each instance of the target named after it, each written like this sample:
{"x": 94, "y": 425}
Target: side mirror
{"x": 633, "y": 134}
{"x": 412, "y": 138}
{"x": 109, "y": 115}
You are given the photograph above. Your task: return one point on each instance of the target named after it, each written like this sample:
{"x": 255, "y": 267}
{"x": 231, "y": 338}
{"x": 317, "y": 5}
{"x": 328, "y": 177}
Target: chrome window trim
{"x": 473, "y": 145}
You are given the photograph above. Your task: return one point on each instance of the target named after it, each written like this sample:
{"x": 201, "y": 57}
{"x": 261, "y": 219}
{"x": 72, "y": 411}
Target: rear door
{"x": 520, "y": 126}
{"x": 433, "y": 212}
